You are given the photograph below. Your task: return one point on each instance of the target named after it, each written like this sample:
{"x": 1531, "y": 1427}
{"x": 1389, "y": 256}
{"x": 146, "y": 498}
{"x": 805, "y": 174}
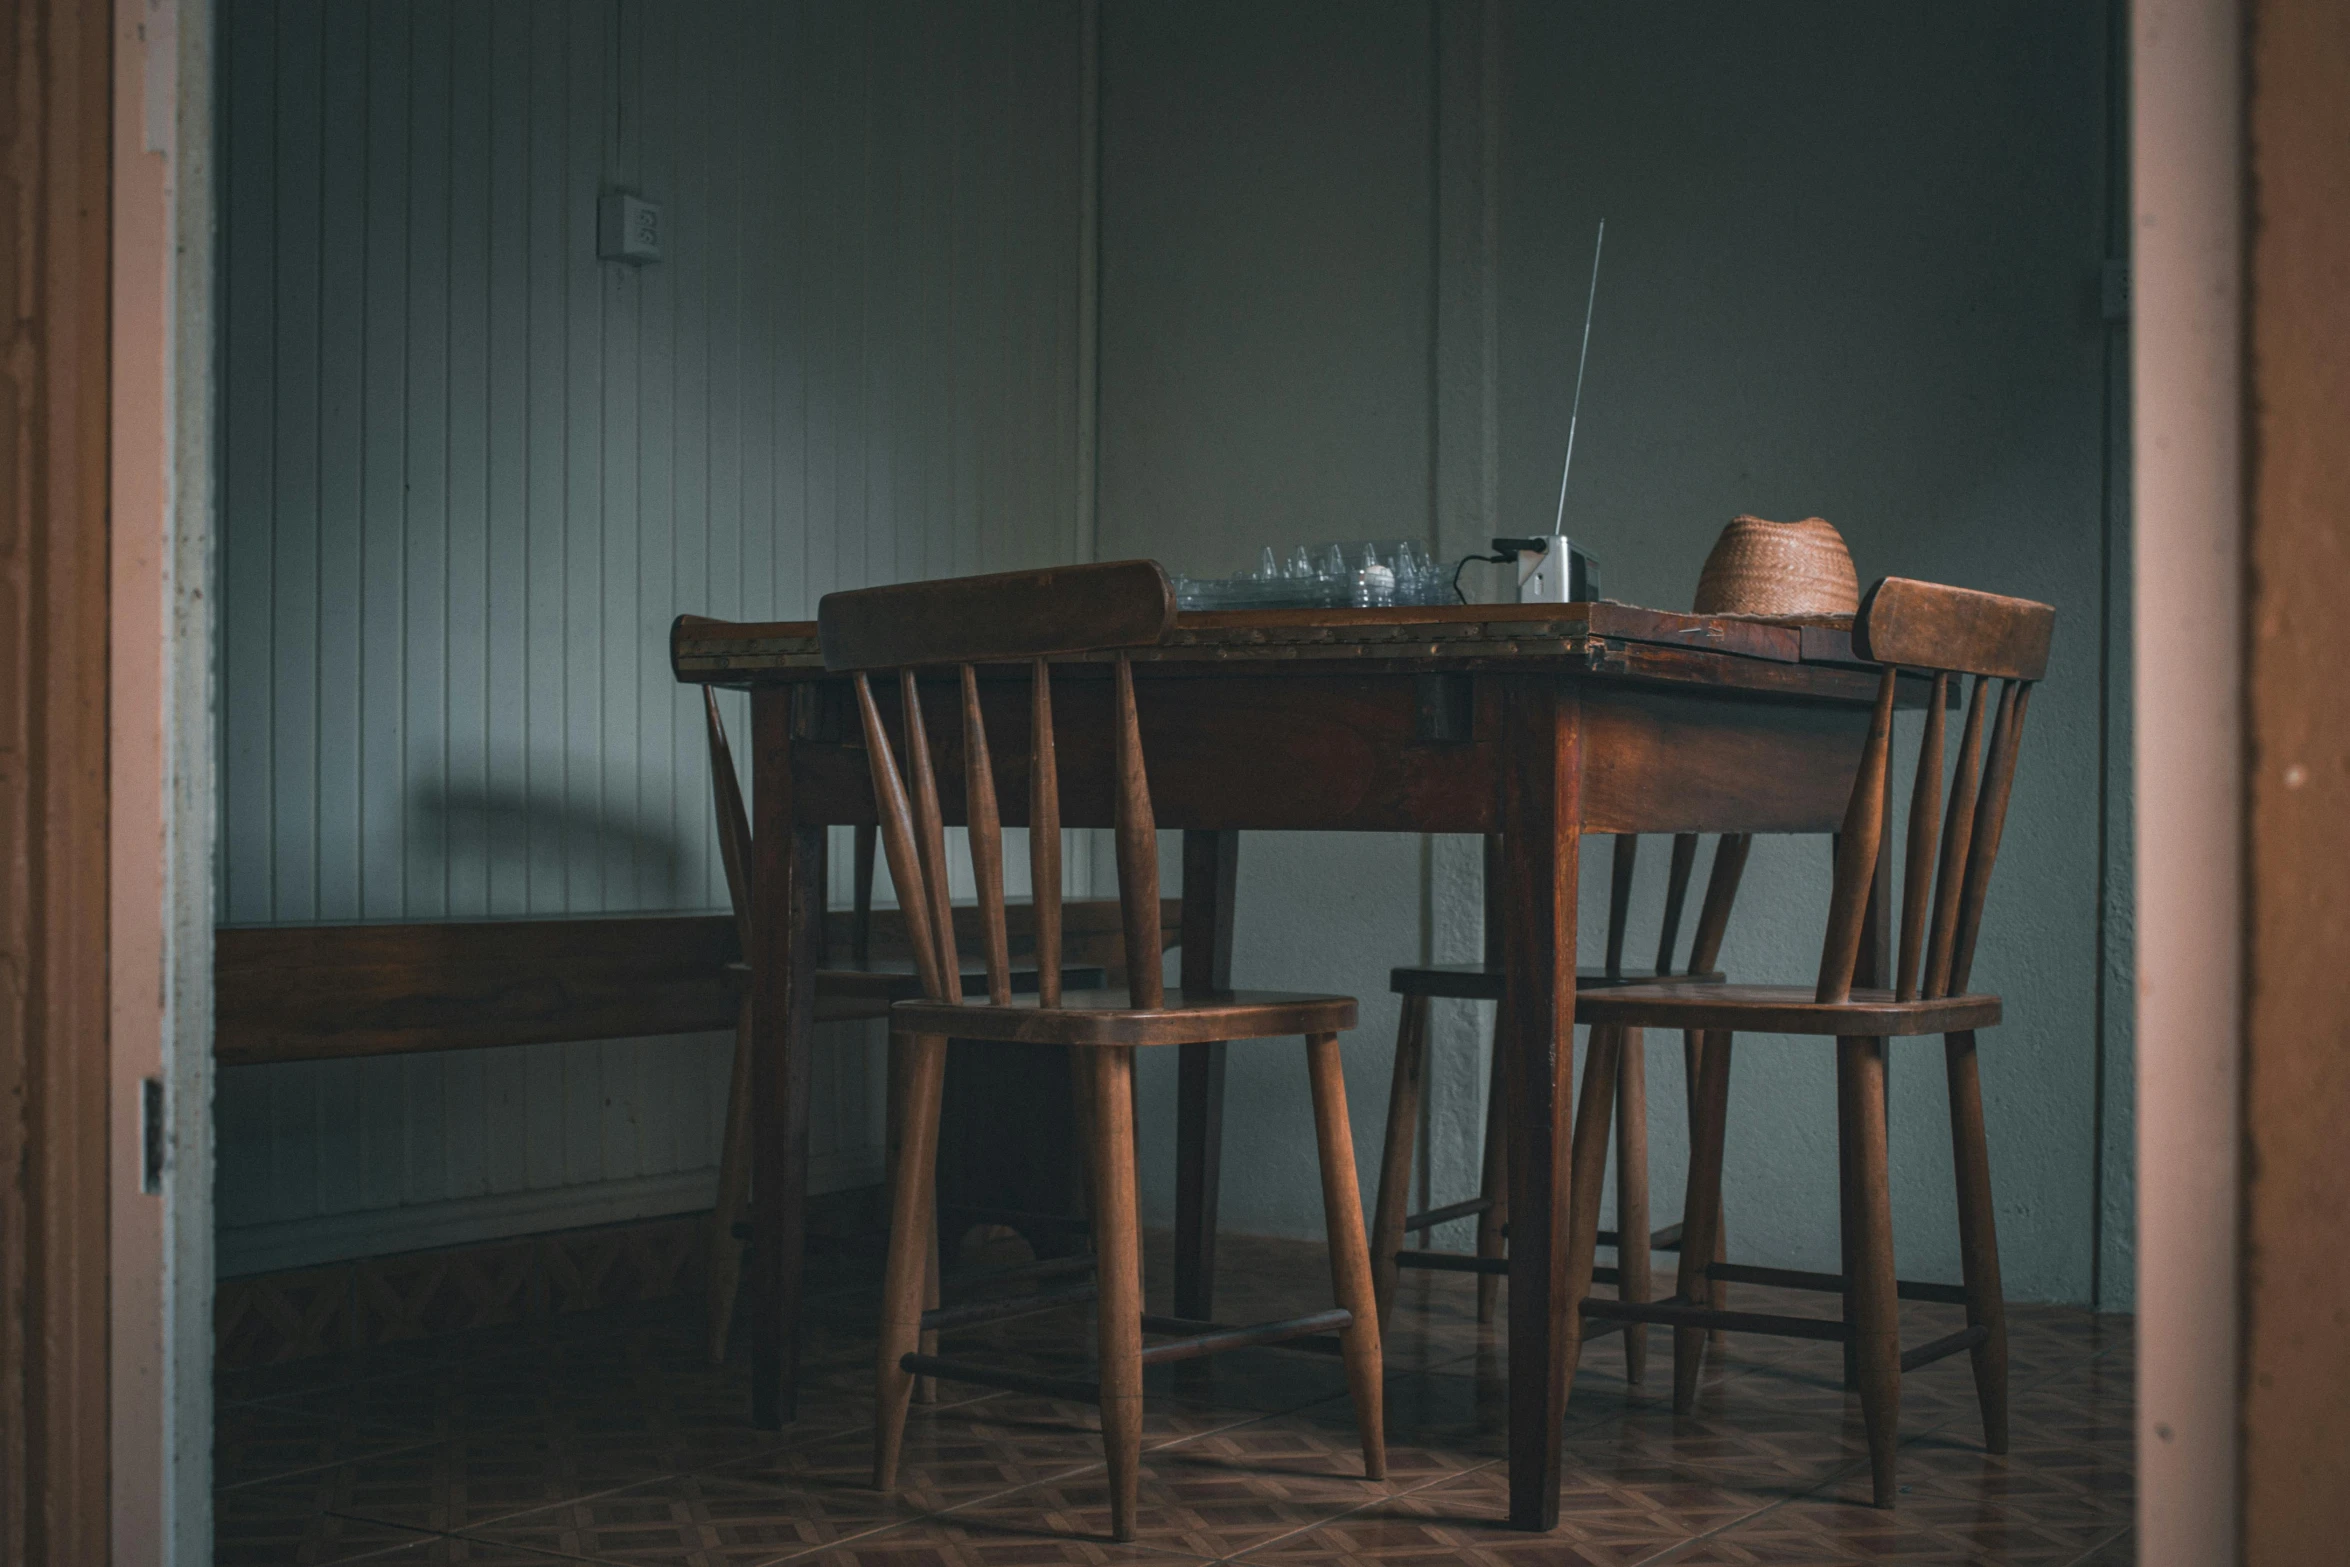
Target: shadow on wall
{"x": 539, "y": 850}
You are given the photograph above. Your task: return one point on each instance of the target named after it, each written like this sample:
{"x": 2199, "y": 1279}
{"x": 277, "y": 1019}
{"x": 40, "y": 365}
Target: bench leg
{"x": 723, "y": 1272}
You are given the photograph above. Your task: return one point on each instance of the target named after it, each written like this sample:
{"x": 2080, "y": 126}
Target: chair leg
{"x": 1848, "y": 1221}
{"x": 1395, "y": 1158}
{"x": 1978, "y": 1238}
{"x": 1692, "y": 1069}
{"x": 1594, "y": 1110}
{"x": 1701, "y": 1212}
{"x": 1633, "y": 1261}
{"x": 1493, "y": 1178}
{"x": 913, "y": 1189}
{"x": 724, "y": 1271}
{"x": 1876, "y": 1328}
{"x": 1350, "y": 1264}
{"x": 926, "y": 1388}
{"x": 1117, "y": 1247}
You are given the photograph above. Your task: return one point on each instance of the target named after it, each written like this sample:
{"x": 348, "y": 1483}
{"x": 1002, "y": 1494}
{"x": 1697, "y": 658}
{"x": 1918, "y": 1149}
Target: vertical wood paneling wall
{"x": 470, "y": 473}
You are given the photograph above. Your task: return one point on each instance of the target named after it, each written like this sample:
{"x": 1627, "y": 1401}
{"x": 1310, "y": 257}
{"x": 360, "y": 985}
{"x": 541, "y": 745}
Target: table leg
{"x": 1211, "y": 866}
{"x": 788, "y": 904}
{"x": 1541, "y": 826}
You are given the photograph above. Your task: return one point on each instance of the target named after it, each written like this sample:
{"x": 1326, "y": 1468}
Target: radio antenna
{"x": 1576, "y": 412}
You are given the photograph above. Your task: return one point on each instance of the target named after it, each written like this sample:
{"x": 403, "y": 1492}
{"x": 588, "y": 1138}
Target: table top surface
{"x": 1591, "y": 636}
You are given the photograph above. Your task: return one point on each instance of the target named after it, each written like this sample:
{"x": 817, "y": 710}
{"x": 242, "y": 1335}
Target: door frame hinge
{"x": 2114, "y": 290}
{"x": 154, "y": 1141}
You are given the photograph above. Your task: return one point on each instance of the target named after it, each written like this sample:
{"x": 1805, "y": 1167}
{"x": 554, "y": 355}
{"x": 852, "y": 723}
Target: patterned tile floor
{"x": 608, "y": 1437}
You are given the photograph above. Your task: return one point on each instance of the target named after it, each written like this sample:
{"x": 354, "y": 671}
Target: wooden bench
{"x": 325, "y": 992}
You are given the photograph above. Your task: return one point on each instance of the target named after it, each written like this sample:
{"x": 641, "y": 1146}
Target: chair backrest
{"x": 734, "y": 821}
{"x": 1713, "y": 918}
{"x": 1025, "y": 617}
{"x": 1946, "y": 633}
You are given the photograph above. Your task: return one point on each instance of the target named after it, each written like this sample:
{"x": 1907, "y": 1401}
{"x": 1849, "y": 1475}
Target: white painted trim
{"x": 2186, "y": 272}
{"x": 1465, "y": 513}
{"x": 1087, "y": 544}
{"x": 160, "y": 782}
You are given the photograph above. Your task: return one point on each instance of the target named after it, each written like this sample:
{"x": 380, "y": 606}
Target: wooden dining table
{"x": 1539, "y": 722}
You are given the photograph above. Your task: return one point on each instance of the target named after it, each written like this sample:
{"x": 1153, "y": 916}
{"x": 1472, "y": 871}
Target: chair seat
{"x": 1478, "y": 982}
{"x": 1103, "y": 1017}
{"x": 1782, "y": 1009}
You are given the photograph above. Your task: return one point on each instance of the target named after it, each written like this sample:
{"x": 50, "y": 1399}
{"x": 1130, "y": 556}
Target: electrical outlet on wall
{"x": 628, "y": 228}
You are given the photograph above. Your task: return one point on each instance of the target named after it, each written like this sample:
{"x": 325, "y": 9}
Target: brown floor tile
{"x": 1602, "y": 1523}
{"x": 700, "y": 1519}
{"x": 1189, "y": 1510}
{"x": 950, "y": 1459}
{"x": 455, "y": 1485}
{"x": 936, "y": 1543}
{"x": 610, "y": 1437}
{"x": 276, "y": 1524}
{"x": 460, "y": 1551}
{"x": 2120, "y": 1551}
{"x": 261, "y": 1441}
{"x": 1923, "y": 1528}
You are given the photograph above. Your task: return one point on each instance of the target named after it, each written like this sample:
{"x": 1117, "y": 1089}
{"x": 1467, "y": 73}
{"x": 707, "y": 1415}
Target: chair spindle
{"x": 1044, "y": 834}
{"x": 734, "y": 824}
{"x": 930, "y": 840}
{"x": 897, "y": 840}
{"x": 1677, "y": 876}
{"x": 1721, "y": 891}
{"x": 1958, "y": 827}
{"x": 1622, "y": 860}
{"x": 1990, "y": 819}
{"x": 987, "y": 842}
{"x": 1925, "y": 815}
{"x": 1856, "y": 853}
{"x": 1138, "y": 855}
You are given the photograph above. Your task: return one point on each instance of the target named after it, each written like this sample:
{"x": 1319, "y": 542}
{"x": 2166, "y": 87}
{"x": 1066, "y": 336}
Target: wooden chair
{"x": 1024, "y": 618}
{"x": 1418, "y": 984}
{"x": 862, "y": 987}
{"x": 1944, "y": 632}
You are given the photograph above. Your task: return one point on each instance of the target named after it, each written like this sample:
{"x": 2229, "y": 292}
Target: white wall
{"x": 1265, "y": 341}
{"x": 471, "y": 473}
{"x": 1852, "y": 269}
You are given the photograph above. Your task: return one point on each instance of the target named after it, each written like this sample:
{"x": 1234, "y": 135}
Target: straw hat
{"x": 1797, "y": 569}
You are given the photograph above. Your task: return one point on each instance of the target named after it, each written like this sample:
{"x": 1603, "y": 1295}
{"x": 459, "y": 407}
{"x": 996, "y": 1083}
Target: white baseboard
{"x": 310, "y": 1242}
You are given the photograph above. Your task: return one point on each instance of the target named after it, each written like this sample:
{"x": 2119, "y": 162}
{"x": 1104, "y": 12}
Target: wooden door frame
{"x": 160, "y": 766}
{"x": 2241, "y": 153}
{"x": 2294, "y": 1469}
{"x": 2186, "y": 105}
{"x": 53, "y": 806}
{"x": 105, "y": 798}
